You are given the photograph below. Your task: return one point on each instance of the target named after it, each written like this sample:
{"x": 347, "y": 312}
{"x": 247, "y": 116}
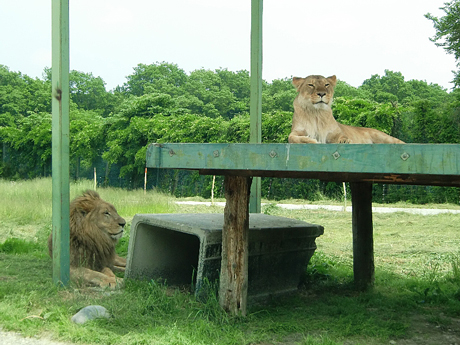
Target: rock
{"x": 90, "y": 313}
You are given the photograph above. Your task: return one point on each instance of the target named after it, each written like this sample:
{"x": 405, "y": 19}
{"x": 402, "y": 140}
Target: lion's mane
{"x": 95, "y": 227}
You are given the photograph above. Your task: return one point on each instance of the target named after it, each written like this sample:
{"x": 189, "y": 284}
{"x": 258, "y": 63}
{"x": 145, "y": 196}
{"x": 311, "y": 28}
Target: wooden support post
{"x": 234, "y": 266}
{"x": 363, "y": 242}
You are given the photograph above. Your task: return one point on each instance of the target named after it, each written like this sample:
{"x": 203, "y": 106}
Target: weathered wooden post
{"x": 60, "y": 137}
{"x": 363, "y": 241}
{"x": 233, "y": 289}
{"x": 240, "y": 198}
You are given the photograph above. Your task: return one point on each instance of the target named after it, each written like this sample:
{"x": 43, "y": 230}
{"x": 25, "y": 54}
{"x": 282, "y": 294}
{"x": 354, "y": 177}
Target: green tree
{"x": 342, "y": 89}
{"x": 87, "y": 138}
{"x": 424, "y": 126}
{"x": 146, "y": 105}
{"x": 276, "y": 127}
{"x": 365, "y": 113}
{"x": 450, "y": 118}
{"x": 421, "y": 90}
{"x": 387, "y": 89}
{"x": 128, "y": 141}
{"x": 238, "y": 82}
{"x": 30, "y": 138}
{"x": 219, "y": 93}
{"x": 239, "y": 129}
{"x": 20, "y": 94}
{"x": 155, "y": 78}
{"x": 89, "y": 93}
{"x": 392, "y": 88}
{"x": 448, "y": 32}
{"x": 278, "y": 95}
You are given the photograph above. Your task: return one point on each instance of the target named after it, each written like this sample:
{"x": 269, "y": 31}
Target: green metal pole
{"x": 256, "y": 94}
{"x": 60, "y": 138}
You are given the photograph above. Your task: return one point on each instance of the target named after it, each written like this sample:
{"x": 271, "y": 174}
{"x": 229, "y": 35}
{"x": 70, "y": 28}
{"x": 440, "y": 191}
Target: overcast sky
{"x": 353, "y": 39}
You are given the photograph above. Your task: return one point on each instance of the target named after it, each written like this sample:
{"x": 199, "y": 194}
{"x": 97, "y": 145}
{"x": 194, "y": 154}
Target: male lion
{"x": 313, "y": 121}
{"x": 95, "y": 228}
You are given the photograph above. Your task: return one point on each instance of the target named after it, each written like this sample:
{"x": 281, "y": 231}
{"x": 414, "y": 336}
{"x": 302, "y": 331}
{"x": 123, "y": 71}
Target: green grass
{"x": 417, "y": 288}
{"x": 26, "y": 210}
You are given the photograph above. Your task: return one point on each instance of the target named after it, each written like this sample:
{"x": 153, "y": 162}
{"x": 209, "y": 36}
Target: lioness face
{"x": 107, "y": 219}
{"x": 315, "y": 91}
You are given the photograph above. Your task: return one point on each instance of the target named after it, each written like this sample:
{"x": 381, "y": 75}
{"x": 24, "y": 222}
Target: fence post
{"x": 256, "y": 94}
{"x": 60, "y": 140}
{"x": 145, "y": 181}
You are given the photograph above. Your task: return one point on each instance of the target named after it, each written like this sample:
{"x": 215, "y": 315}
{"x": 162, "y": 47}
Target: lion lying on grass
{"x": 313, "y": 121}
{"x": 95, "y": 228}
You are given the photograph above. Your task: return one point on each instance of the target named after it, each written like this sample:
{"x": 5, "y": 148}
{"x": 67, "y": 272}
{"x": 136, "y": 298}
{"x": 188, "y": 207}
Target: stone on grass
{"x": 90, "y": 313}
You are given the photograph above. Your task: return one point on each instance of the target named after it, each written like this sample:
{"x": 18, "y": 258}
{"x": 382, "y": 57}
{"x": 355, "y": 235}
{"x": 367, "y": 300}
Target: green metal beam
{"x": 256, "y": 95}
{"x": 60, "y": 140}
{"x": 436, "y": 164}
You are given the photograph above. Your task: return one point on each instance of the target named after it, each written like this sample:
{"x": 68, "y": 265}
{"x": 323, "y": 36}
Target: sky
{"x": 352, "y": 39}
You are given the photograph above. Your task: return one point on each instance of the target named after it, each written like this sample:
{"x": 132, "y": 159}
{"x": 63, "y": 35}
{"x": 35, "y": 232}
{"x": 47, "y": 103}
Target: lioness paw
{"x": 344, "y": 140}
{"x": 307, "y": 140}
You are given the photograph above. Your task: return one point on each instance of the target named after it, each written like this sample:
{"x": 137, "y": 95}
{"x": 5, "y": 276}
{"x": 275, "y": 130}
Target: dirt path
{"x": 422, "y": 211}
{"x": 11, "y": 338}
{"x": 421, "y": 332}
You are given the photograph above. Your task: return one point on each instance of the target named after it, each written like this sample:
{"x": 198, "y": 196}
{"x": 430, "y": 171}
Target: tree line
{"x": 161, "y": 103}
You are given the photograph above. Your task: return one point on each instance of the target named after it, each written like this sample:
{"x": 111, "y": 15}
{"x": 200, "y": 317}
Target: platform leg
{"x": 363, "y": 242}
{"x": 233, "y": 289}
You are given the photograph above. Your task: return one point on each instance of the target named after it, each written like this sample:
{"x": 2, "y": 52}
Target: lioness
{"x": 313, "y": 121}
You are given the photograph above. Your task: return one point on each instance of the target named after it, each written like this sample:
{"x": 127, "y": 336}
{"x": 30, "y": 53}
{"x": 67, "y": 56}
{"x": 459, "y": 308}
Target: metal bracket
{"x": 336, "y": 155}
{"x": 405, "y": 156}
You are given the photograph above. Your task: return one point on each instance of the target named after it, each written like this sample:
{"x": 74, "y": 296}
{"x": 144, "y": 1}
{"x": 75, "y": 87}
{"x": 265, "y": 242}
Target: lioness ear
{"x": 332, "y": 79}
{"x": 296, "y": 81}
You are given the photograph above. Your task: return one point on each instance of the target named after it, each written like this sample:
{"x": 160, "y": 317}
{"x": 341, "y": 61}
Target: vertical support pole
{"x": 145, "y": 181}
{"x": 363, "y": 242}
{"x": 212, "y": 188}
{"x": 60, "y": 140}
{"x": 233, "y": 290}
{"x": 256, "y": 94}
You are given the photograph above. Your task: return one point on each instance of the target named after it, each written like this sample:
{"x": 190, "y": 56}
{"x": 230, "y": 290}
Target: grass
{"x": 417, "y": 288}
